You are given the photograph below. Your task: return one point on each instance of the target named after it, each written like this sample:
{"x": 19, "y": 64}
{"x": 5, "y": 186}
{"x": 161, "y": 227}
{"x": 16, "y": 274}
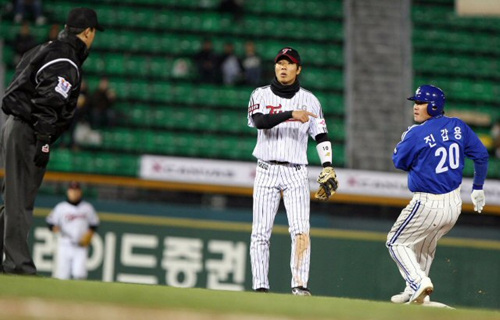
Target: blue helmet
{"x": 434, "y": 96}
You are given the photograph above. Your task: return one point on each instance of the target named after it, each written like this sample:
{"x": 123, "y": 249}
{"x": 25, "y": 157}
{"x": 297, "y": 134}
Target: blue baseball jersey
{"x": 434, "y": 152}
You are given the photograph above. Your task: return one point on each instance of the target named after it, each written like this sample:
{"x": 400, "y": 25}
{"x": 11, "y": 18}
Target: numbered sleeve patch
{"x": 253, "y": 108}
{"x": 63, "y": 87}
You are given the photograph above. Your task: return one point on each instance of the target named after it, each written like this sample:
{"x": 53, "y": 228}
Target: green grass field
{"x": 46, "y": 298}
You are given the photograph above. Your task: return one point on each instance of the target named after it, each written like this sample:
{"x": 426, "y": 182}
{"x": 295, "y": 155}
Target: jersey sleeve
{"x": 255, "y": 105}
{"x": 475, "y": 150}
{"x": 405, "y": 151}
{"x": 93, "y": 217}
{"x": 54, "y": 83}
{"x": 52, "y": 218}
{"x": 316, "y": 125}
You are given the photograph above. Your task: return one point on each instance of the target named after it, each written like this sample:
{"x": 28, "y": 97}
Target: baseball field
{"x": 47, "y": 298}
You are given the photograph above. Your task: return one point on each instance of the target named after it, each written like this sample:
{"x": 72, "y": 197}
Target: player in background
{"x": 433, "y": 153}
{"x": 75, "y": 220}
{"x": 285, "y": 115}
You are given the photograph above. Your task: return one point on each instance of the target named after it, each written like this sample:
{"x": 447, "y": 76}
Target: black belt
{"x": 279, "y": 162}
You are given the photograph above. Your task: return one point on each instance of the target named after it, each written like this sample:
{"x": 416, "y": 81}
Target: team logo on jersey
{"x": 321, "y": 123}
{"x": 275, "y": 109}
{"x": 63, "y": 87}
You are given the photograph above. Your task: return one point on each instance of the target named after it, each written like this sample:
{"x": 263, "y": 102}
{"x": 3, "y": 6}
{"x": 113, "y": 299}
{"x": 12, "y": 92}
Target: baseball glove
{"x": 85, "y": 240}
{"x": 328, "y": 184}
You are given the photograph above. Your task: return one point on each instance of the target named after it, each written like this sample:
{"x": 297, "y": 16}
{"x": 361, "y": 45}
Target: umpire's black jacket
{"x": 46, "y": 85}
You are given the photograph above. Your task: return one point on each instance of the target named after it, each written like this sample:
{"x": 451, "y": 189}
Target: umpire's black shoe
{"x": 300, "y": 291}
{"x": 265, "y": 290}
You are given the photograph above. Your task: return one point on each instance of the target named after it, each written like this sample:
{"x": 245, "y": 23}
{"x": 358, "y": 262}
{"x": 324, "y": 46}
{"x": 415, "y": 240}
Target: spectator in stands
{"x": 101, "y": 112}
{"x": 206, "y": 62}
{"x": 234, "y": 7}
{"x": 53, "y": 32}
{"x": 81, "y": 115}
{"x": 181, "y": 68}
{"x": 495, "y": 134}
{"x": 230, "y": 65}
{"x": 252, "y": 64}
{"x": 22, "y": 7}
{"x": 81, "y": 133}
{"x": 23, "y": 41}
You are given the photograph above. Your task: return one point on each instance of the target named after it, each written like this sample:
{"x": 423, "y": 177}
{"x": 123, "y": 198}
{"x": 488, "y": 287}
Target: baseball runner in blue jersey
{"x": 286, "y": 115}
{"x": 433, "y": 153}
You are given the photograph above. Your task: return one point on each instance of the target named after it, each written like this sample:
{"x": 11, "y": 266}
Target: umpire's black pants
{"x": 22, "y": 179}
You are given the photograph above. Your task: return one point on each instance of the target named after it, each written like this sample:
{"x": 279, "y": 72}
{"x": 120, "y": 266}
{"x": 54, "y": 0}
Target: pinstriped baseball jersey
{"x": 287, "y": 141}
{"x": 73, "y": 220}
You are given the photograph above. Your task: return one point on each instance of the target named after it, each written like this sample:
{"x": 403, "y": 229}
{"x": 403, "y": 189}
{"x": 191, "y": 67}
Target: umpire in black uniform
{"x": 40, "y": 104}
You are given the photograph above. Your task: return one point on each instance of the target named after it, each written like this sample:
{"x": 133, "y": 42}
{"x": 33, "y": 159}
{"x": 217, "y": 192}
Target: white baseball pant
{"x": 413, "y": 238}
{"x": 270, "y": 181}
{"x": 71, "y": 261}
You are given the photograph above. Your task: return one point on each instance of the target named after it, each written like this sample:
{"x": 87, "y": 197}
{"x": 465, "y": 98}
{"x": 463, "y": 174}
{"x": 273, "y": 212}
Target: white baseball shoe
{"x": 425, "y": 288}
{"x": 300, "y": 291}
{"x": 402, "y": 297}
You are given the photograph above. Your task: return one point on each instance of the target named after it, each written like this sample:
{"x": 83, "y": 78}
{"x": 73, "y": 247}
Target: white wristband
{"x": 325, "y": 151}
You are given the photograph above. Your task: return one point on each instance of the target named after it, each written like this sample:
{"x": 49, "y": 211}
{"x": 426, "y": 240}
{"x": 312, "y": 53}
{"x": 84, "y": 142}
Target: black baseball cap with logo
{"x": 83, "y": 18}
{"x": 74, "y": 185}
{"x": 288, "y": 53}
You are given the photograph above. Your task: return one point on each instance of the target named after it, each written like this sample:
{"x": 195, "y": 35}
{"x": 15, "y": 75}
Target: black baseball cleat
{"x": 265, "y": 290}
{"x": 300, "y": 291}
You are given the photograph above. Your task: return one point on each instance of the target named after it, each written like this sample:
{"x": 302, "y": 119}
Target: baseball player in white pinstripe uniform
{"x": 285, "y": 115}
{"x": 76, "y": 221}
{"x": 433, "y": 154}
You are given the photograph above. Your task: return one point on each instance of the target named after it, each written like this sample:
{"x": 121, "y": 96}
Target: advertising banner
{"x": 241, "y": 174}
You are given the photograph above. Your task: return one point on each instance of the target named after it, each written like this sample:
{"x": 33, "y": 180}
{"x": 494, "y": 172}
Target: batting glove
{"x": 478, "y": 200}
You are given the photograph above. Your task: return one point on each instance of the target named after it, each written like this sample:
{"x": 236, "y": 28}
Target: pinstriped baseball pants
{"x": 270, "y": 181}
{"x": 413, "y": 238}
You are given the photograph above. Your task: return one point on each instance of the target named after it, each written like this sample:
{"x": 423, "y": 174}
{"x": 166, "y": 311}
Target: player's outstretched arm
{"x": 303, "y": 115}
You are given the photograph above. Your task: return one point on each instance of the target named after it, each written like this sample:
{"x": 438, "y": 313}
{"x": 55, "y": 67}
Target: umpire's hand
{"x": 42, "y": 151}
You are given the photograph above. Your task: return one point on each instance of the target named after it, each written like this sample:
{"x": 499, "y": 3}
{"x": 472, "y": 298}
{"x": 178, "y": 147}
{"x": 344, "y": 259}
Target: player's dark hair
{"x": 74, "y": 30}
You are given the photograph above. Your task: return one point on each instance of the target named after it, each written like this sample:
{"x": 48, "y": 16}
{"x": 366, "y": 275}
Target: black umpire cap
{"x": 289, "y": 54}
{"x": 83, "y": 18}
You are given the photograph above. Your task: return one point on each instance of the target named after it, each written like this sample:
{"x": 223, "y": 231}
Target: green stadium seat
{"x": 135, "y": 65}
{"x": 160, "y": 67}
{"x": 61, "y": 160}
{"x": 161, "y": 142}
{"x": 337, "y": 129}
{"x": 332, "y": 104}
{"x": 115, "y": 64}
{"x": 8, "y": 55}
